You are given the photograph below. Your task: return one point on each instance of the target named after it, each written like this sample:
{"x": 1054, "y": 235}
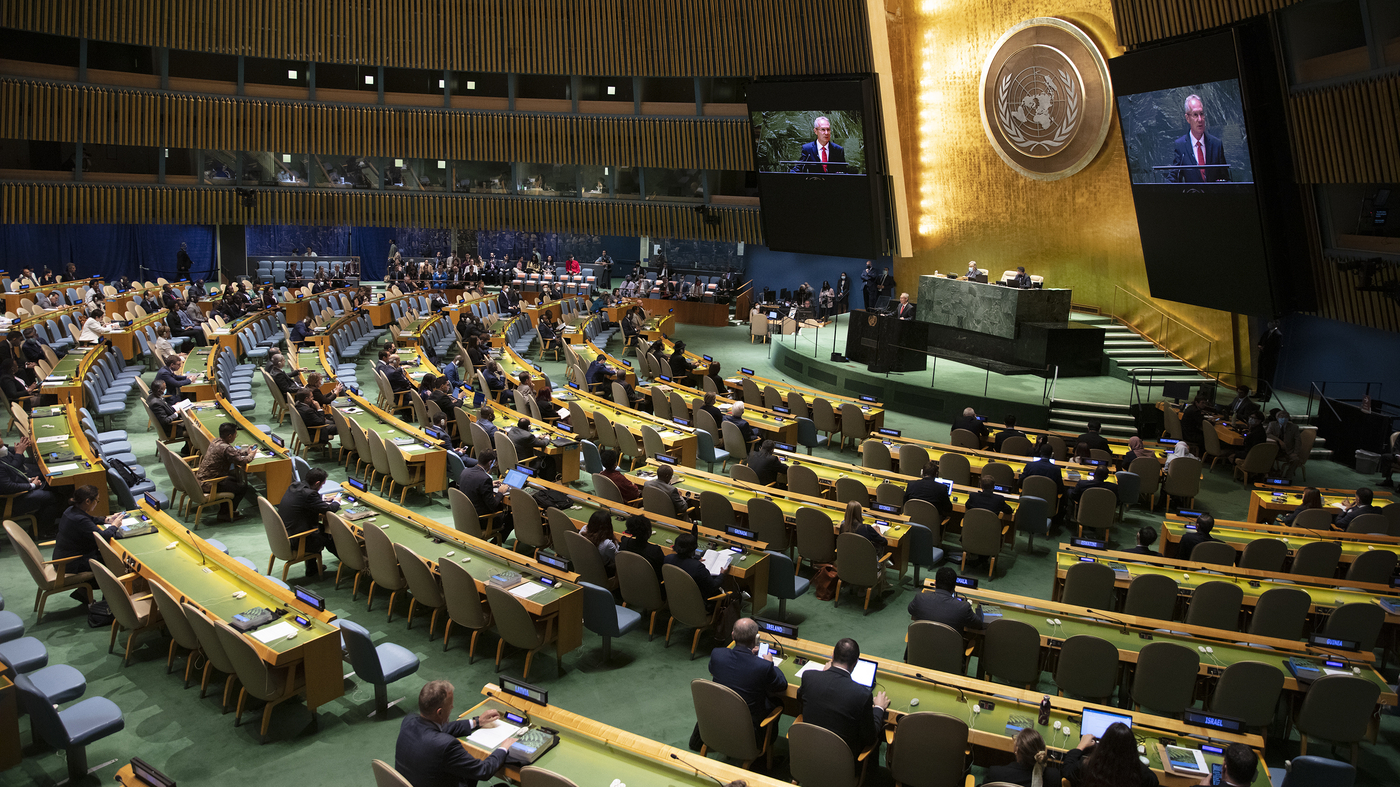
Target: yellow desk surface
{"x": 435, "y": 542}
{"x": 679, "y": 440}
{"x": 408, "y": 439}
{"x": 955, "y": 695}
{"x": 58, "y": 430}
{"x": 1129, "y": 634}
{"x": 1326, "y": 595}
{"x": 1294, "y": 538}
{"x": 1268, "y": 502}
{"x": 273, "y": 461}
{"x": 196, "y": 572}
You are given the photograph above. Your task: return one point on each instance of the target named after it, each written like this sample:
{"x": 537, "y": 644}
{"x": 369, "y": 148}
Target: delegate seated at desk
{"x": 753, "y": 677}
{"x": 428, "y": 753}
{"x": 831, "y": 699}
{"x": 943, "y": 605}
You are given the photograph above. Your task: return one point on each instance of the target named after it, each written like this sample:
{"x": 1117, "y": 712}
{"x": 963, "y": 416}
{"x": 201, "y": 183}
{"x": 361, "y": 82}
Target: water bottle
{"x": 1044, "y": 710}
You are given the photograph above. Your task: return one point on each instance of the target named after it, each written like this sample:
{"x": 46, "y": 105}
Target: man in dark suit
{"x": 428, "y": 753}
{"x": 736, "y": 417}
{"x": 1009, "y": 431}
{"x": 1243, "y": 406}
{"x": 987, "y": 498}
{"x": 1093, "y": 438}
{"x": 1146, "y": 537}
{"x": 929, "y": 488}
{"x": 755, "y": 678}
{"x": 302, "y": 509}
{"x": 1204, "y": 523}
{"x": 827, "y": 156}
{"x": 1099, "y": 480}
{"x": 968, "y": 420}
{"x": 868, "y": 288}
{"x": 943, "y": 606}
{"x": 905, "y": 309}
{"x": 318, "y": 427}
{"x": 765, "y": 464}
{"x": 1045, "y": 466}
{"x": 1197, "y": 147}
{"x": 1360, "y": 504}
{"x": 1022, "y": 280}
{"x": 832, "y": 700}
{"x": 476, "y": 483}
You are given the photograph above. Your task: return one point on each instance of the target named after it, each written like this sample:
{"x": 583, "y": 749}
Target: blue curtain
{"x": 371, "y": 245}
{"x": 285, "y": 239}
{"x": 140, "y": 251}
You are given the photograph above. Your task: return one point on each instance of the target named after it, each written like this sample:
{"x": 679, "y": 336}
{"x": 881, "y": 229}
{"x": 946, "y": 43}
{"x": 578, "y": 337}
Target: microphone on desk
{"x": 962, "y": 697}
{"x": 195, "y": 544}
{"x": 1108, "y": 619}
{"x": 719, "y": 781}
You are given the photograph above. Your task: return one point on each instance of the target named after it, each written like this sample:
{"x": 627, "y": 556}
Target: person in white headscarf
{"x": 1181, "y": 449}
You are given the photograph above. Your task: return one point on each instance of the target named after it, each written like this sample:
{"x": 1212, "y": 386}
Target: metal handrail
{"x": 1321, "y": 391}
{"x": 1164, "y": 333}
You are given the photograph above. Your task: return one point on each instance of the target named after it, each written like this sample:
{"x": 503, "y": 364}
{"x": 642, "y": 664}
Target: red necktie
{"x": 1201, "y": 159}
{"x": 824, "y": 160}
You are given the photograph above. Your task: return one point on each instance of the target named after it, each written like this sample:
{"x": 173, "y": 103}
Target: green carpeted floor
{"x": 644, "y": 689}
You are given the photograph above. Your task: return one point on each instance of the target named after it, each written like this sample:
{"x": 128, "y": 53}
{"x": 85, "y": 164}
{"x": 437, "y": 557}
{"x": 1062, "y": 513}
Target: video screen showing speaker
{"x": 820, "y": 173}
{"x": 1184, "y": 112}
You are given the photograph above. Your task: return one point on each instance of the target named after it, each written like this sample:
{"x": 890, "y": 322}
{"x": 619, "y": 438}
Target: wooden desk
{"x": 411, "y": 335}
{"x": 61, "y": 431}
{"x": 199, "y": 360}
{"x": 125, "y": 339}
{"x": 1265, "y": 503}
{"x": 692, "y": 482}
{"x": 411, "y": 441}
{"x": 380, "y": 311}
{"x": 1174, "y": 527}
{"x": 594, "y": 754}
{"x": 73, "y": 367}
{"x": 688, "y": 312}
{"x": 1129, "y": 634}
{"x": 273, "y": 462}
{"x": 943, "y": 692}
{"x": 750, "y": 568}
{"x": 680, "y": 441}
{"x": 196, "y": 572}
{"x": 873, "y": 412}
{"x": 656, "y": 328}
{"x": 1223, "y": 430}
{"x": 1326, "y": 594}
{"x": 770, "y": 425}
{"x": 435, "y": 542}
{"x": 14, "y": 299}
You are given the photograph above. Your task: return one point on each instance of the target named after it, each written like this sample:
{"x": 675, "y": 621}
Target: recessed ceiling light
{"x": 471, "y": 85}
{"x": 605, "y": 170}
{"x": 398, "y": 162}
{"x": 286, "y": 158}
{"x": 442, "y": 164}
{"x": 369, "y": 80}
{"x": 291, "y": 73}
{"x": 612, "y": 90}
{"x": 442, "y": 83}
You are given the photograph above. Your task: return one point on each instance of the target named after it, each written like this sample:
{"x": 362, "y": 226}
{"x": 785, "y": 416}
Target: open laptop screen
{"x": 1096, "y": 722}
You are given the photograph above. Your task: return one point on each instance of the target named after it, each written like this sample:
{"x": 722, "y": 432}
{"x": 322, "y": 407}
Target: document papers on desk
{"x": 63, "y": 468}
{"x": 272, "y": 633}
{"x": 58, "y": 438}
{"x": 811, "y": 666}
{"x": 489, "y": 737}
{"x": 716, "y": 562}
{"x": 526, "y": 589}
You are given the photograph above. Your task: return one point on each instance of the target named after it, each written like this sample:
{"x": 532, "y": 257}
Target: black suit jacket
{"x": 940, "y": 606}
{"x": 1242, "y": 408}
{"x": 1184, "y": 153}
{"x": 905, "y": 311}
{"x": 989, "y": 500}
{"x": 1095, "y": 440}
{"x": 301, "y": 509}
{"x": 835, "y": 158}
{"x": 932, "y": 491}
{"x": 830, "y": 699}
{"x": 1083, "y": 486}
{"x": 1016, "y": 773}
{"x": 475, "y": 483}
{"x": 431, "y": 756}
{"x": 1189, "y": 541}
{"x": 163, "y": 412}
{"x": 971, "y": 424}
{"x": 755, "y": 679}
{"x": 766, "y": 466}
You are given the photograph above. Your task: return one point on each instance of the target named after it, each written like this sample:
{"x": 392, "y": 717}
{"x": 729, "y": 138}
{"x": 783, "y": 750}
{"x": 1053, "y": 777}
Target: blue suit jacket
{"x": 757, "y": 680}
{"x": 1183, "y": 153}
{"x": 431, "y": 756}
{"x": 835, "y": 154}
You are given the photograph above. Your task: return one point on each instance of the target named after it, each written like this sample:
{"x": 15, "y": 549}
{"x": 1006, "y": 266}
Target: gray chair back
{"x": 1376, "y": 566}
{"x": 856, "y": 561}
{"x": 955, "y": 468}
{"x": 819, "y": 757}
{"x": 875, "y": 455}
{"x": 929, "y": 750}
{"x": 1314, "y": 519}
{"x": 848, "y": 489}
{"x": 1248, "y": 690}
{"x": 935, "y": 646}
{"x": 716, "y": 511}
{"x": 744, "y": 474}
{"x": 766, "y": 519}
{"x": 1264, "y": 554}
{"x": 1011, "y": 651}
{"x": 383, "y": 560}
{"x": 1281, "y": 613}
{"x": 1312, "y": 771}
{"x": 1359, "y": 621}
{"x": 1043, "y": 488}
{"x": 1338, "y": 708}
{"x": 513, "y": 622}
{"x": 1166, "y": 677}
{"x": 588, "y": 562}
{"x": 1216, "y": 553}
{"x": 1088, "y": 667}
{"x": 636, "y": 578}
{"x": 724, "y": 721}
{"x": 464, "y": 514}
{"x": 683, "y": 597}
{"x": 816, "y": 536}
{"x": 1216, "y": 605}
{"x": 1317, "y": 559}
{"x": 529, "y": 523}
{"x": 1089, "y": 585}
{"x": 1151, "y": 596}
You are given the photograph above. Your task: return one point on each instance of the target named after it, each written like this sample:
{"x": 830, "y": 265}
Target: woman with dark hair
{"x": 1110, "y": 761}
{"x": 1029, "y": 768}
{"x": 1081, "y": 454}
{"x": 1312, "y": 498}
{"x": 75, "y": 529}
{"x": 16, "y": 390}
{"x": 638, "y": 541}
{"x": 544, "y": 398}
{"x": 854, "y": 522}
{"x": 826, "y": 301}
{"x": 599, "y": 532}
{"x": 843, "y": 294}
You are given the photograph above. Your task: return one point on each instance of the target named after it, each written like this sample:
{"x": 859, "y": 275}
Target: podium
{"x": 885, "y": 343}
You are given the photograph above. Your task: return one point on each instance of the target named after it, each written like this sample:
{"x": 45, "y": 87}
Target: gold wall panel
{"x": 1079, "y": 232}
{"x": 53, "y": 203}
{"x": 56, "y": 112}
{"x": 603, "y": 37}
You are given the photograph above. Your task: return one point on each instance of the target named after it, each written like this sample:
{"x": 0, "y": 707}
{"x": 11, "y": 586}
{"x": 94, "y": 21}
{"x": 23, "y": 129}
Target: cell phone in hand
{"x": 1216, "y": 771}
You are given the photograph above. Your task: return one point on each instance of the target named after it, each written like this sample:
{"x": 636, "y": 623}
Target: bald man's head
{"x": 745, "y": 633}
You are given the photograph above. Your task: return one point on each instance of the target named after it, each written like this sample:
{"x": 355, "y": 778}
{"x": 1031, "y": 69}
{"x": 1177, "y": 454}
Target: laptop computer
{"x": 1096, "y": 722}
{"x": 516, "y": 479}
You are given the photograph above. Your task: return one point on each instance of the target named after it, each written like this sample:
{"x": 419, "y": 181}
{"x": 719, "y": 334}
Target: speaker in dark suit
{"x": 811, "y": 151}
{"x": 1184, "y": 154}
{"x": 832, "y": 700}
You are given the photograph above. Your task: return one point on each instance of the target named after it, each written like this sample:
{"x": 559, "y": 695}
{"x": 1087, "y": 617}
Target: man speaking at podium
{"x": 827, "y": 156}
{"x": 1196, "y": 147}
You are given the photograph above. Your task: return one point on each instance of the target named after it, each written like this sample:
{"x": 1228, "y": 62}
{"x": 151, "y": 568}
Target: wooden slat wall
{"x": 63, "y": 113}
{"x": 603, "y": 37}
{"x": 1338, "y": 299}
{"x": 1141, "y": 21}
{"x": 1348, "y": 133}
{"x": 53, "y": 203}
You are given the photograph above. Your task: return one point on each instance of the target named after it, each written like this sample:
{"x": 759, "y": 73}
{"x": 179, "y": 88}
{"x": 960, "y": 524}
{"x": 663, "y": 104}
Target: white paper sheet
{"x": 526, "y": 589}
{"x": 275, "y": 632}
{"x": 490, "y": 736}
{"x": 810, "y": 666}
{"x": 58, "y": 438}
{"x": 63, "y": 468}
{"x": 716, "y": 562}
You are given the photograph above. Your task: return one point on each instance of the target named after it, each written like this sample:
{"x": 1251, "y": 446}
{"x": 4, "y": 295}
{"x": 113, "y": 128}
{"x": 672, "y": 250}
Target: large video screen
{"x": 819, "y": 175}
{"x": 1187, "y": 140}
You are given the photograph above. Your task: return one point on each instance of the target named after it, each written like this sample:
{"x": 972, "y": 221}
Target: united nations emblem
{"x": 1046, "y": 100}
{"x": 871, "y": 320}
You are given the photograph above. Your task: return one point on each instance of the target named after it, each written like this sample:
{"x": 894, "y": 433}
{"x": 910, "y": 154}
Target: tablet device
{"x": 864, "y": 673}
